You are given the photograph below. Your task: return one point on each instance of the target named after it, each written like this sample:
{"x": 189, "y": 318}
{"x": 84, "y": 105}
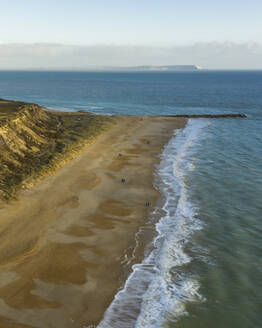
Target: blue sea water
{"x": 204, "y": 268}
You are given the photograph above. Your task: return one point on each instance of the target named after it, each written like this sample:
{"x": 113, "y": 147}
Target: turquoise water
{"x": 205, "y": 266}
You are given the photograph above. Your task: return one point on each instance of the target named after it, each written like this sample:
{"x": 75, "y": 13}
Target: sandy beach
{"x": 63, "y": 241}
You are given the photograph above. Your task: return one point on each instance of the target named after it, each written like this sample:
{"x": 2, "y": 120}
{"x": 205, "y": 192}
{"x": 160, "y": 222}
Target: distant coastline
{"x": 162, "y": 68}
{"x": 142, "y": 68}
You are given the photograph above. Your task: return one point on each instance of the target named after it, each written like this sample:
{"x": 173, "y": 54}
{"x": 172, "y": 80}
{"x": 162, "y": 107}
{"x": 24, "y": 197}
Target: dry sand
{"x": 63, "y": 241}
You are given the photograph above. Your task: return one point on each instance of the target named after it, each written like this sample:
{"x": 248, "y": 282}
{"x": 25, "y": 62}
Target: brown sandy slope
{"x": 64, "y": 240}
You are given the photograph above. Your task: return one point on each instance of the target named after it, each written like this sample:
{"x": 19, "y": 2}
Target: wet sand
{"x": 64, "y": 241}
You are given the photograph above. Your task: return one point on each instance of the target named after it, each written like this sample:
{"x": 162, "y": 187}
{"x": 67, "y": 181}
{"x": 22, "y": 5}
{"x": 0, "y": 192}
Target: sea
{"x": 203, "y": 266}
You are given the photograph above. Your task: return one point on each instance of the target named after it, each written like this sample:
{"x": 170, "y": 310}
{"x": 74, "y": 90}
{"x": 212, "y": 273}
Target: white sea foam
{"x": 157, "y": 290}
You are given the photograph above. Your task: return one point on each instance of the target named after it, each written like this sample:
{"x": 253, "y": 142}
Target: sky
{"x": 79, "y": 33}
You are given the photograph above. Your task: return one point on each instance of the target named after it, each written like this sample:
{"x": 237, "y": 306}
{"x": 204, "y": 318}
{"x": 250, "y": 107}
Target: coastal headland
{"x": 66, "y": 237}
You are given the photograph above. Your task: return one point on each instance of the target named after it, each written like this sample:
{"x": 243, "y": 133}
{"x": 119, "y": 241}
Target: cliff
{"x": 35, "y": 141}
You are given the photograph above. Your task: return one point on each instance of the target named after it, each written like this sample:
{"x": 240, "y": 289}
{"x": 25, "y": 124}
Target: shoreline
{"x": 76, "y": 226}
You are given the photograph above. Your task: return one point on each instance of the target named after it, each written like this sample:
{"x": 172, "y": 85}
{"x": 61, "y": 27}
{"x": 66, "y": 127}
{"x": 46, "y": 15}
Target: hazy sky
{"x": 69, "y": 26}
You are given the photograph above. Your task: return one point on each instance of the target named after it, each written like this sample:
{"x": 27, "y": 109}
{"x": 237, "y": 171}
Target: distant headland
{"x": 163, "y": 68}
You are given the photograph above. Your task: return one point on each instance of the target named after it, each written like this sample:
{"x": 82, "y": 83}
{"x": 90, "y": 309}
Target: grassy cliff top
{"x": 9, "y": 109}
{"x": 34, "y": 142}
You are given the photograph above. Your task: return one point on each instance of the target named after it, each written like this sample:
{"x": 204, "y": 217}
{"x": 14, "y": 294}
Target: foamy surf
{"x": 157, "y": 290}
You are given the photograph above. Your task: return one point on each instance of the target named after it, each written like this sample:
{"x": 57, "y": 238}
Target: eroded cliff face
{"x": 26, "y": 142}
{"x": 35, "y": 142}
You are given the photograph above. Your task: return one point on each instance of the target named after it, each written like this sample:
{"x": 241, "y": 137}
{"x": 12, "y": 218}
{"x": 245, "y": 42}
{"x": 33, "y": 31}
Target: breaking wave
{"x": 158, "y": 289}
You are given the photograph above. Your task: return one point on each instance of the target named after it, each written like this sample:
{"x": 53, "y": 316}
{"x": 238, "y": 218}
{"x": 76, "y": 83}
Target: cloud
{"x": 226, "y": 55}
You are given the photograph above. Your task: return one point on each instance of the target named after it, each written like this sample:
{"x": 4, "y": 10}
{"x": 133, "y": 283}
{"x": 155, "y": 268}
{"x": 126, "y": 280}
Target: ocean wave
{"x": 158, "y": 289}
